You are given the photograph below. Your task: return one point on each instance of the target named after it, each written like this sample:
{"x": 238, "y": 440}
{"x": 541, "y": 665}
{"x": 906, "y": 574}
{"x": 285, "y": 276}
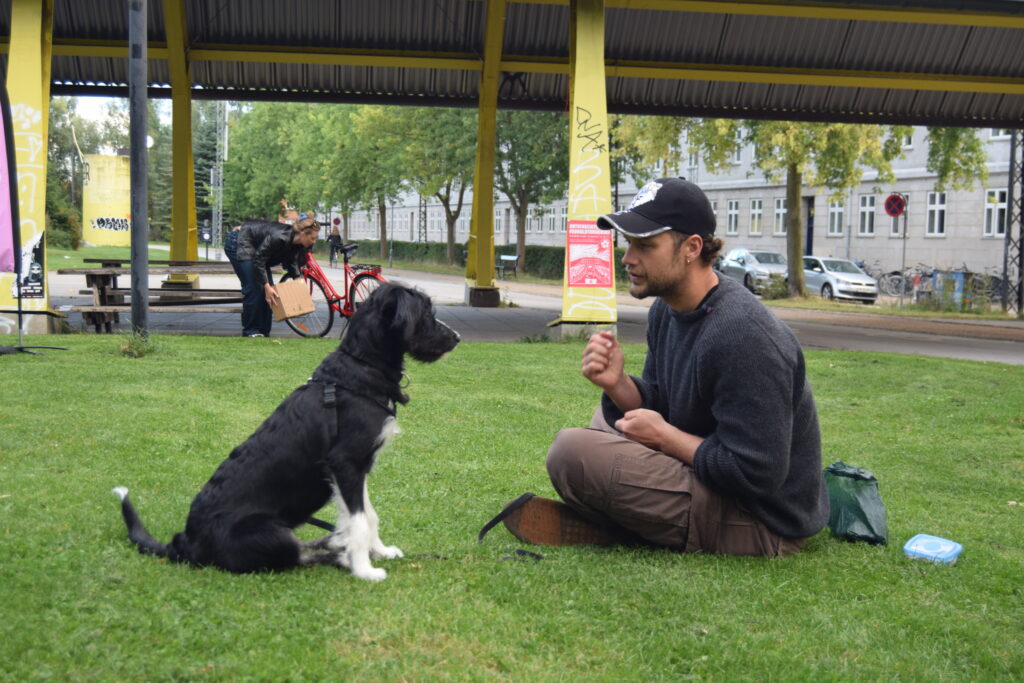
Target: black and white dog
{"x": 319, "y": 443}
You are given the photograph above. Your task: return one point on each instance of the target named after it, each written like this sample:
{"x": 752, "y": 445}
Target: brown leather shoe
{"x": 548, "y": 522}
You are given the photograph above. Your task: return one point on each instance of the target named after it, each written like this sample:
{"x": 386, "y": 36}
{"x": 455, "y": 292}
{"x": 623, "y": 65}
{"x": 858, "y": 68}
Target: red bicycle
{"x": 361, "y": 279}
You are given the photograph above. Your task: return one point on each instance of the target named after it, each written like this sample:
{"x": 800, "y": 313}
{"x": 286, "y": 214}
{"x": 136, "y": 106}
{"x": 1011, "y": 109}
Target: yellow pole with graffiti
{"x": 28, "y": 88}
{"x": 588, "y": 289}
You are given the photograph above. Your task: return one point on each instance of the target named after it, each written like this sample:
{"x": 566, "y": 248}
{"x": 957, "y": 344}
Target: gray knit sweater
{"x": 734, "y": 374}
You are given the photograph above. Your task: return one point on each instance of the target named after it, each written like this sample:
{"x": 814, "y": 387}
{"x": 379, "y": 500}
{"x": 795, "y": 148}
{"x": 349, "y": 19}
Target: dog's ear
{"x": 408, "y": 310}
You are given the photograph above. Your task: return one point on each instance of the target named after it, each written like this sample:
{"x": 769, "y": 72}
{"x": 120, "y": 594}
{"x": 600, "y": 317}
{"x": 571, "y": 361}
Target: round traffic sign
{"x": 895, "y": 205}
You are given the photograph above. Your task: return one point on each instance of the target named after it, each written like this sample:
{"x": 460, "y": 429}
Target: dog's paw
{"x": 370, "y": 574}
{"x": 120, "y": 491}
{"x": 386, "y": 552}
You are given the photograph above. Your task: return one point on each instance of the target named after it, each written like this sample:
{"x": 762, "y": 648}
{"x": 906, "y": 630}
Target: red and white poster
{"x": 589, "y": 253}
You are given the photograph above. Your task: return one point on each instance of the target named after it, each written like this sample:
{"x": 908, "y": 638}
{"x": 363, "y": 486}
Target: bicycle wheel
{"x": 319, "y": 322}
{"x": 362, "y": 287}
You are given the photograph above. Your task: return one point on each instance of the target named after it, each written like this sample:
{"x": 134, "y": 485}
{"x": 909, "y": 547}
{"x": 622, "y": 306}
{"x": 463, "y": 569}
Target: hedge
{"x": 540, "y": 261}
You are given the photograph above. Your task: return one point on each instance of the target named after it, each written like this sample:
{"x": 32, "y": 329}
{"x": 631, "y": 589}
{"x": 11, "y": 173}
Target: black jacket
{"x": 268, "y": 244}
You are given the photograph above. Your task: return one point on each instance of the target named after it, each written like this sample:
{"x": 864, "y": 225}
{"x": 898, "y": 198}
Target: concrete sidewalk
{"x": 529, "y": 310}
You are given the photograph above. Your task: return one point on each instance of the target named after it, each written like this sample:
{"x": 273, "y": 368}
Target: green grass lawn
{"x": 78, "y": 602}
{"x": 75, "y": 258}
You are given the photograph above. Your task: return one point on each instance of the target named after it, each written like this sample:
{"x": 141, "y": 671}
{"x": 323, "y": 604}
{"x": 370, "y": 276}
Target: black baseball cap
{"x": 662, "y": 205}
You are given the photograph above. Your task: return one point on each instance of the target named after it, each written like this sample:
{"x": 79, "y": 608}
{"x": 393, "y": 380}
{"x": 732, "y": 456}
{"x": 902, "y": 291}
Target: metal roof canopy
{"x": 926, "y": 62}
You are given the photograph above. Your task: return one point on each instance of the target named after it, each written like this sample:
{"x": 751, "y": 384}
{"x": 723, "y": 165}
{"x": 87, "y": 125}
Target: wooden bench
{"x": 506, "y": 263}
{"x": 109, "y": 300}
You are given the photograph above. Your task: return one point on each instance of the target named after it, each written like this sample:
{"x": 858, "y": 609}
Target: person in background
{"x": 335, "y": 241}
{"x": 253, "y": 249}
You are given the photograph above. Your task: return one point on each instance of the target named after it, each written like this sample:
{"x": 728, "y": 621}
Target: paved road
{"x": 535, "y": 306}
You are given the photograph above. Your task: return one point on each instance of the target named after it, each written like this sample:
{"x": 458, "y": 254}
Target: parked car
{"x": 753, "y": 267}
{"x": 839, "y": 278}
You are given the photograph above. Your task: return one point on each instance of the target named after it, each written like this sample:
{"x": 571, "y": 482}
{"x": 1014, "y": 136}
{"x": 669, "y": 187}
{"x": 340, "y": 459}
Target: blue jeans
{"x": 256, "y": 315}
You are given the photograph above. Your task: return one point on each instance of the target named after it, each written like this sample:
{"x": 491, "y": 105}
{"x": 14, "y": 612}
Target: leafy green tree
{"x": 379, "y": 163}
{"x": 957, "y": 156}
{"x": 340, "y": 173}
{"x": 257, "y": 174}
{"x": 65, "y": 171}
{"x": 830, "y": 155}
{"x": 204, "y": 155}
{"x": 642, "y": 144}
{"x": 532, "y": 164}
{"x": 436, "y": 152}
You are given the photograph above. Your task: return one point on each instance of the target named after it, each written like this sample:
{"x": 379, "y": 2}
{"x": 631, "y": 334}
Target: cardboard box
{"x": 295, "y": 299}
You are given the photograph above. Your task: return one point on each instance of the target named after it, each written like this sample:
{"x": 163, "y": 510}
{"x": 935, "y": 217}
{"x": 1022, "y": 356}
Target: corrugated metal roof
{"x": 756, "y": 58}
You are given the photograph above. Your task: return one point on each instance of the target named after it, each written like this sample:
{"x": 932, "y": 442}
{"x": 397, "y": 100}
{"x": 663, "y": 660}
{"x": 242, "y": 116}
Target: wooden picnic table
{"x": 109, "y": 300}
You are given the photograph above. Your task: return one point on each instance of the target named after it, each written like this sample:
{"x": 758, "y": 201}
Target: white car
{"x": 753, "y": 267}
{"x": 839, "y": 278}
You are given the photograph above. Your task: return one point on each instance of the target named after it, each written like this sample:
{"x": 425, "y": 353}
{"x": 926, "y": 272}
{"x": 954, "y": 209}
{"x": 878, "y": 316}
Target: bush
{"x": 540, "y": 261}
{"x": 777, "y": 288}
{"x": 63, "y": 229}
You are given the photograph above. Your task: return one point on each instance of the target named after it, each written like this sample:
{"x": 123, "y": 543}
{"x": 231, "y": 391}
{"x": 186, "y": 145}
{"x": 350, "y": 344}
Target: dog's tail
{"x": 137, "y": 533}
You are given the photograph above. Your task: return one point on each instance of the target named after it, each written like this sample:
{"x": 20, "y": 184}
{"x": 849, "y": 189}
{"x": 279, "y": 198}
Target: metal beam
{"x": 726, "y": 73}
{"x": 818, "y": 10}
{"x": 480, "y": 285}
{"x": 1013, "y": 249}
{"x": 184, "y": 242}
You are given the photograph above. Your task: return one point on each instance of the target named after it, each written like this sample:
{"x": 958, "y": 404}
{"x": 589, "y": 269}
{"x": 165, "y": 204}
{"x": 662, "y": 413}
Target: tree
{"x": 341, "y": 173}
{"x": 957, "y": 156}
{"x": 532, "y": 164}
{"x": 64, "y": 171}
{"x": 257, "y": 174}
{"x": 204, "y": 155}
{"x": 379, "y": 163}
{"x": 830, "y": 155}
{"x": 437, "y": 150}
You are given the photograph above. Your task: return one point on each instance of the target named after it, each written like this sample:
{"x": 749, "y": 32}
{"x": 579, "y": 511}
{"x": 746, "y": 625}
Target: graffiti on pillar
{"x": 587, "y": 200}
{"x": 28, "y": 142}
{"x": 111, "y": 224}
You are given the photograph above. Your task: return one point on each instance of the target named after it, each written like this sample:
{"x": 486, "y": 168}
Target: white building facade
{"x": 946, "y": 230}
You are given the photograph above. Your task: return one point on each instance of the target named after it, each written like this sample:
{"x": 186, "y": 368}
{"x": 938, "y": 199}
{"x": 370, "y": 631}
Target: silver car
{"x": 838, "y": 278}
{"x": 753, "y": 267}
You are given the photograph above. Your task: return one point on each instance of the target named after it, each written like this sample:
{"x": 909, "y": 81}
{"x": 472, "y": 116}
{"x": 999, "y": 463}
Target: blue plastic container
{"x": 932, "y": 548}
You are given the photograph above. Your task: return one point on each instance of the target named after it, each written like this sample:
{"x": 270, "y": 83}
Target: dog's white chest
{"x": 387, "y": 431}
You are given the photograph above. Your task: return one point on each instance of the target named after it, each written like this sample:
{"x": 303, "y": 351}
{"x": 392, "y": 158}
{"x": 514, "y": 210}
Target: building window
{"x": 756, "y": 216}
{"x": 866, "y": 224}
{"x": 497, "y": 222}
{"x": 1000, "y": 134}
{"x": 737, "y": 153}
{"x": 780, "y": 215}
{"x": 995, "y": 213}
{"x": 732, "y": 226}
{"x": 565, "y": 217}
{"x": 936, "y": 214}
{"x": 908, "y": 141}
{"x": 836, "y": 209}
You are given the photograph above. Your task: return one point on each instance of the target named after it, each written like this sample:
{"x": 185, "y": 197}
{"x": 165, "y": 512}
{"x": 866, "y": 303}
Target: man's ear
{"x": 694, "y": 246}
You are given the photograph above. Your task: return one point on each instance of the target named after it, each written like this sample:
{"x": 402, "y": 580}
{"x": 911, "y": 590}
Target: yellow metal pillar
{"x": 28, "y": 86}
{"x": 184, "y": 244}
{"x": 589, "y": 281}
{"x": 481, "y": 289}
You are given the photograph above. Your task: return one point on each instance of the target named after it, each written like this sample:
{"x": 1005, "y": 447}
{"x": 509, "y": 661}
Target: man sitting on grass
{"x": 716, "y": 448}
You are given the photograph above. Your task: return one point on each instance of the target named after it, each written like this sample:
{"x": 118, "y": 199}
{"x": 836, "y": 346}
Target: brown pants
{"x": 653, "y": 497}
